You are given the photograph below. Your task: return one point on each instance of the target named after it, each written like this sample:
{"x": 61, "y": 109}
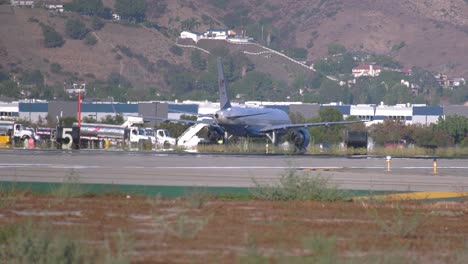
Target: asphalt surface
{"x": 171, "y": 169}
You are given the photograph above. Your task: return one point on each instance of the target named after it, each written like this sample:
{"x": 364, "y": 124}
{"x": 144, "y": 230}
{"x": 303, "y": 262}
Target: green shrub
{"x": 52, "y": 39}
{"x": 70, "y": 187}
{"x": 177, "y": 50}
{"x": 294, "y": 186}
{"x": 75, "y": 29}
{"x": 97, "y": 23}
{"x": 43, "y": 244}
{"x": 55, "y": 68}
{"x": 90, "y": 39}
{"x": 401, "y": 225}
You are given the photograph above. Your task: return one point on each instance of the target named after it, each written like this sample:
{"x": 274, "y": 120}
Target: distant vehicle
{"x": 18, "y": 133}
{"x": 164, "y": 139}
{"x": 257, "y": 121}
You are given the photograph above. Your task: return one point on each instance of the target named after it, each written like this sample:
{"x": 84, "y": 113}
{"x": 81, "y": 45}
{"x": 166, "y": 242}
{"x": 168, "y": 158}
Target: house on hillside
{"x": 24, "y": 3}
{"x": 75, "y": 88}
{"x": 190, "y": 35}
{"x": 54, "y": 6}
{"x": 449, "y": 83}
{"x": 216, "y": 34}
{"x": 366, "y": 70}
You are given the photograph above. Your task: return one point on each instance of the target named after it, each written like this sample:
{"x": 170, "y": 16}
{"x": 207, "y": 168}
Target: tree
{"x": 390, "y": 131}
{"x": 55, "y": 67}
{"x": 256, "y": 86}
{"x": 189, "y": 24}
{"x": 331, "y": 134}
{"x": 90, "y": 39}
{"x": 331, "y": 91}
{"x": 97, "y": 23}
{"x": 52, "y": 39}
{"x": 9, "y": 89}
{"x": 297, "y": 53}
{"x": 456, "y": 126}
{"x": 113, "y": 120}
{"x": 176, "y": 50}
{"x": 88, "y": 7}
{"x": 197, "y": 61}
{"x": 75, "y": 29}
{"x": 131, "y": 9}
{"x": 335, "y": 48}
{"x": 67, "y": 121}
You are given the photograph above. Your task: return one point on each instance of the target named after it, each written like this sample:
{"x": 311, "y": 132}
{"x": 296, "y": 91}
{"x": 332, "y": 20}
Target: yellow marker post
{"x": 435, "y": 165}
{"x": 389, "y": 159}
{"x": 106, "y": 144}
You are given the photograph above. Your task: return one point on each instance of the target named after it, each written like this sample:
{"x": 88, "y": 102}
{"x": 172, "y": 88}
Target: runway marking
{"x": 65, "y": 166}
{"x": 415, "y": 196}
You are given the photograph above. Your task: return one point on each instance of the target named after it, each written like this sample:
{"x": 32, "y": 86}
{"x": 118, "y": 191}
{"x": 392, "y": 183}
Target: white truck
{"x": 163, "y": 138}
{"x": 160, "y": 137}
{"x": 95, "y": 135}
{"x": 18, "y": 133}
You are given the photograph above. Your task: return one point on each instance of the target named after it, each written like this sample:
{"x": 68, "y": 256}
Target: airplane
{"x": 256, "y": 121}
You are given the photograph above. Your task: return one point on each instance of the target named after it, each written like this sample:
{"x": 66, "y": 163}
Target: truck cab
{"x": 164, "y": 139}
{"x": 138, "y": 136}
{"x": 22, "y": 133}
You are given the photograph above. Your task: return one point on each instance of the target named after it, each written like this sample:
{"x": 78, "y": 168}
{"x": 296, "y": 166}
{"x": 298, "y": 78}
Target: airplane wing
{"x": 188, "y": 122}
{"x": 303, "y": 125}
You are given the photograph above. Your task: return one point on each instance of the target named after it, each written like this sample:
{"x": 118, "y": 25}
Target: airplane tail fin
{"x": 223, "y": 98}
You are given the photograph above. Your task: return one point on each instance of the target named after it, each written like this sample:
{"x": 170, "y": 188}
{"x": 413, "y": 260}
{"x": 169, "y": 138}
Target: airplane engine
{"x": 301, "y": 139}
{"x": 215, "y": 134}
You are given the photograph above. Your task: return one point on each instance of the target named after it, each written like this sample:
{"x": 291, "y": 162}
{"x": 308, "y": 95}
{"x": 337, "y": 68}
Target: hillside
{"x": 428, "y": 34}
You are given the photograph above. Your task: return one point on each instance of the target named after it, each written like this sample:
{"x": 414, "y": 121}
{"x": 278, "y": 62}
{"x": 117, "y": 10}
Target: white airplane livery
{"x": 256, "y": 121}
{"x": 261, "y": 122}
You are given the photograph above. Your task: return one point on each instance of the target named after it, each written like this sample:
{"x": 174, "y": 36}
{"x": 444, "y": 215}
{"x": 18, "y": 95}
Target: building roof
{"x": 428, "y": 110}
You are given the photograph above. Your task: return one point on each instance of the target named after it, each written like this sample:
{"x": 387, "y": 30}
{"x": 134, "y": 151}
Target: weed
{"x": 197, "y": 197}
{"x": 41, "y": 243}
{"x": 294, "y": 186}
{"x": 400, "y": 225}
{"x": 70, "y": 187}
{"x": 10, "y": 194}
{"x": 394, "y": 255}
{"x": 183, "y": 227}
{"x": 317, "y": 249}
{"x": 123, "y": 245}
{"x": 30, "y": 244}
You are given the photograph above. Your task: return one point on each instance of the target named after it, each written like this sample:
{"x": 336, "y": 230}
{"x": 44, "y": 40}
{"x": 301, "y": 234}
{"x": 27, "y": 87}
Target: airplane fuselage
{"x": 245, "y": 121}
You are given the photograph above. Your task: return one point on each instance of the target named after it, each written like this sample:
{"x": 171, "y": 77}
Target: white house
{"x": 24, "y": 3}
{"x": 54, "y": 6}
{"x": 190, "y": 35}
{"x": 366, "y": 70}
{"x": 216, "y": 34}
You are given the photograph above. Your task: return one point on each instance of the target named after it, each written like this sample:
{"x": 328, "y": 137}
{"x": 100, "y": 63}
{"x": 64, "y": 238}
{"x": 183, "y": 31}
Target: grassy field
{"x": 300, "y": 219}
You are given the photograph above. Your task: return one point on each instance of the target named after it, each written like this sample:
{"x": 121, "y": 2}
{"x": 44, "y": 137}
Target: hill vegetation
{"x": 137, "y": 58}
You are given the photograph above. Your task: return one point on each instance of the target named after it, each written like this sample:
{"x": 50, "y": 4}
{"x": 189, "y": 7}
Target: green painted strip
{"x": 144, "y": 190}
{"x": 150, "y": 190}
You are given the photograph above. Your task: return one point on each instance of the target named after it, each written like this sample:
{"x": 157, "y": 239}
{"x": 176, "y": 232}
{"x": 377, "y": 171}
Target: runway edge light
{"x": 389, "y": 159}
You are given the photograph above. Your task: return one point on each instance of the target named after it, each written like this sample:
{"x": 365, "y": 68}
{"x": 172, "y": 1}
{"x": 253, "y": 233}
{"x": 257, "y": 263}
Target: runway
{"x": 217, "y": 170}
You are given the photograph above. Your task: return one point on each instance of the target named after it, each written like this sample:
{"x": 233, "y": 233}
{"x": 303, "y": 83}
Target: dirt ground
{"x": 200, "y": 230}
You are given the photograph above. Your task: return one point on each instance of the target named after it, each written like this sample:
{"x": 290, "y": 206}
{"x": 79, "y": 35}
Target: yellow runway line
{"x": 415, "y": 196}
